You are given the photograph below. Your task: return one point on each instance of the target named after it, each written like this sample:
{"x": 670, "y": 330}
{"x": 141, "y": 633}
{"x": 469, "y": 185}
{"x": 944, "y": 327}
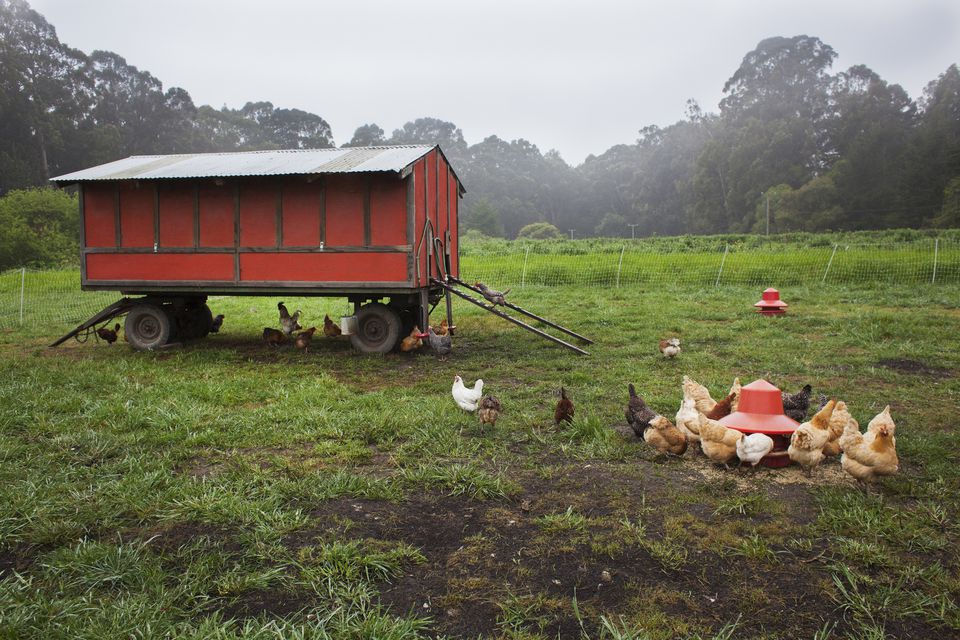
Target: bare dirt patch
{"x": 272, "y": 602}
{"x": 481, "y": 554}
{"x": 904, "y": 365}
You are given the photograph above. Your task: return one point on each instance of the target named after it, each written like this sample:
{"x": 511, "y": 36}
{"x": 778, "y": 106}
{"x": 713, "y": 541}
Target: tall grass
{"x": 31, "y": 298}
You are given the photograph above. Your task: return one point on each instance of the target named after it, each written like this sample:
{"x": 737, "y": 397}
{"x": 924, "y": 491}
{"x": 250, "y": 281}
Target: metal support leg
{"x": 446, "y": 294}
{"x": 424, "y": 309}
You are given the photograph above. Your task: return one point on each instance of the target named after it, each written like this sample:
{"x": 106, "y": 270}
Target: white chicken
{"x": 465, "y": 397}
{"x": 752, "y": 448}
{"x": 688, "y": 418}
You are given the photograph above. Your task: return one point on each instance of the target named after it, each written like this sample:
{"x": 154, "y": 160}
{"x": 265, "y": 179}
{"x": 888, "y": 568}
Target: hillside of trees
{"x": 823, "y": 150}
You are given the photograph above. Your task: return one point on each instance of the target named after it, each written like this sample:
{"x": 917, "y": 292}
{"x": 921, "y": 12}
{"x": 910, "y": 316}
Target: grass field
{"x": 227, "y": 489}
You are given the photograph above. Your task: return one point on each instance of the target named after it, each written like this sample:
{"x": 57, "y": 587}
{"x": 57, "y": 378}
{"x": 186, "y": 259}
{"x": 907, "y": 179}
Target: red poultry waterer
{"x": 760, "y": 410}
{"x": 771, "y": 304}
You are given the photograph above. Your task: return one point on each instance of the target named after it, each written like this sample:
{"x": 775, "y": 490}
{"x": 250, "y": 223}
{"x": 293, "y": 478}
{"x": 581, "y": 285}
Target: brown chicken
{"x": 838, "y": 424}
{"x": 807, "y": 442}
{"x": 719, "y": 443}
{"x": 489, "y": 411}
{"x": 413, "y": 341}
{"x": 670, "y": 347}
{"x": 874, "y": 453}
{"x": 722, "y": 409}
{"x": 565, "y": 410}
{"x": 663, "y": 436}
{"x": 330, "y": 328}
{"x": 445, "y": 329}
{"x": 700, "y": 395}
{"x": 735, "y": 390}
{"x": 273, "y": 336}
{"x": 108, "y": 335}
{"x": 302, "y": 341}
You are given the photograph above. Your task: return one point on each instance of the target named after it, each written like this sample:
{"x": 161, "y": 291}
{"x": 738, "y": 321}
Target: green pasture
{"x": 229, "y": 489}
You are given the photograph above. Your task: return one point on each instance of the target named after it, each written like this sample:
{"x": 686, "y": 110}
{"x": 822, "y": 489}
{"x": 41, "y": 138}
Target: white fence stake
{"x": 726, "y": 248}
{"x": 523, "y": 274}
{"x": 620, "y": 266}
{"x": 23, "y": 281}
{"x": 936, "y": 252}
{"x": 829, "y": 262}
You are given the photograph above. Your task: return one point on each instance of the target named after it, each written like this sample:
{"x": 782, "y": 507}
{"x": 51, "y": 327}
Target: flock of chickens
{"x": 831, "y": 431}
{"x": 441, "y": 338}
{"x": 290, "y": 325}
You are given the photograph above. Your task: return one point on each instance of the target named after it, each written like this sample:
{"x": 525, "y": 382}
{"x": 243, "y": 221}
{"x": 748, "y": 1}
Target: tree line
{"x": 793, "y": 146}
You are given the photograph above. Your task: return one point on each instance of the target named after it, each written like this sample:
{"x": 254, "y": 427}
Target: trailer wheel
{"x": 194, "y": 322}
{"x": 408, "y": 319}
{"x": 147, "y": 327}
{"x": 378, "y": 329}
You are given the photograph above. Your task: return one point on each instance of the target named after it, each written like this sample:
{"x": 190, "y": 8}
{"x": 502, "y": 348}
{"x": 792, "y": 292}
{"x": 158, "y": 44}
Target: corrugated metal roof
{"x": 253, "y": 163}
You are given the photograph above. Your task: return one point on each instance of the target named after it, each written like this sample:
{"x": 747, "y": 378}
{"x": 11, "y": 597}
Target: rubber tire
{"x": 408, "y": 319}
{"x": 195, "y": 322}
{"x": 147, "y": 327}
{"x": 378, "y": 329}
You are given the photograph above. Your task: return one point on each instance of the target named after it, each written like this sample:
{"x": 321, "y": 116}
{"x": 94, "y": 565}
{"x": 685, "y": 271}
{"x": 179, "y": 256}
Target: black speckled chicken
{"x": 638, "y": 414}
{"x": 796, "y": 405}
{"x": 441, "y": 345}
{"x": 289, "y": 323}
{"x": 493, "y": 297}
{"x": 108, "y": 335}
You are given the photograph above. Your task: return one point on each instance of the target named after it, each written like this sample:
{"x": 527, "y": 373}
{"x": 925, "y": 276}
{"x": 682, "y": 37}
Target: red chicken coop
{"x": 376, "y": 225}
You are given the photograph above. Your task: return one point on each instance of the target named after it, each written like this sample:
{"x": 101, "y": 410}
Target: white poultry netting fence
{"x": 29, "y": 297}
{"x": 921, "y": 262}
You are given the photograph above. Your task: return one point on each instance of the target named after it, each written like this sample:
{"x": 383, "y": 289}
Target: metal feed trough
{"x": 376, "y": 225}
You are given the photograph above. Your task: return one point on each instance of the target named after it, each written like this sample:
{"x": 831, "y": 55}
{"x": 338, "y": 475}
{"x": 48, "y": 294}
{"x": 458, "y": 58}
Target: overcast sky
{"x": 578, "y": 77}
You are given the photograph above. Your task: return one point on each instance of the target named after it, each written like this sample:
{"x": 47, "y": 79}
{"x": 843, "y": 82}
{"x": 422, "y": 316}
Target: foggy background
{"x": 578, "y": 77}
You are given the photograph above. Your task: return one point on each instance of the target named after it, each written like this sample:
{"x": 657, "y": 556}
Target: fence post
{"x": 829, "y": 262}
{"x": 726, "y": 248}
{"x": 936, "y": 252}
{"x": 23, "y": 281}
{"x": 620, "y": 265}
{"x": 523, "y": 274}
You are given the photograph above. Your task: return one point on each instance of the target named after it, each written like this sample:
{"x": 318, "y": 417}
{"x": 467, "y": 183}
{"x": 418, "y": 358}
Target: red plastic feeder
{"x": 761, "y": 411}
{"x": 771, "y": 304}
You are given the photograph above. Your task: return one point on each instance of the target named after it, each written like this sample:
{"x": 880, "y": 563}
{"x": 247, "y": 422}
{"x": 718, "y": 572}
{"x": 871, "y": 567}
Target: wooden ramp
{"x": 119, "y": 307}
{"x": 452, "y": 284}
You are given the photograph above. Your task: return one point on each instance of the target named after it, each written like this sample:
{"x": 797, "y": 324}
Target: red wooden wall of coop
{"x": 346, "y": 228}
{"x": 437, "y": 197}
